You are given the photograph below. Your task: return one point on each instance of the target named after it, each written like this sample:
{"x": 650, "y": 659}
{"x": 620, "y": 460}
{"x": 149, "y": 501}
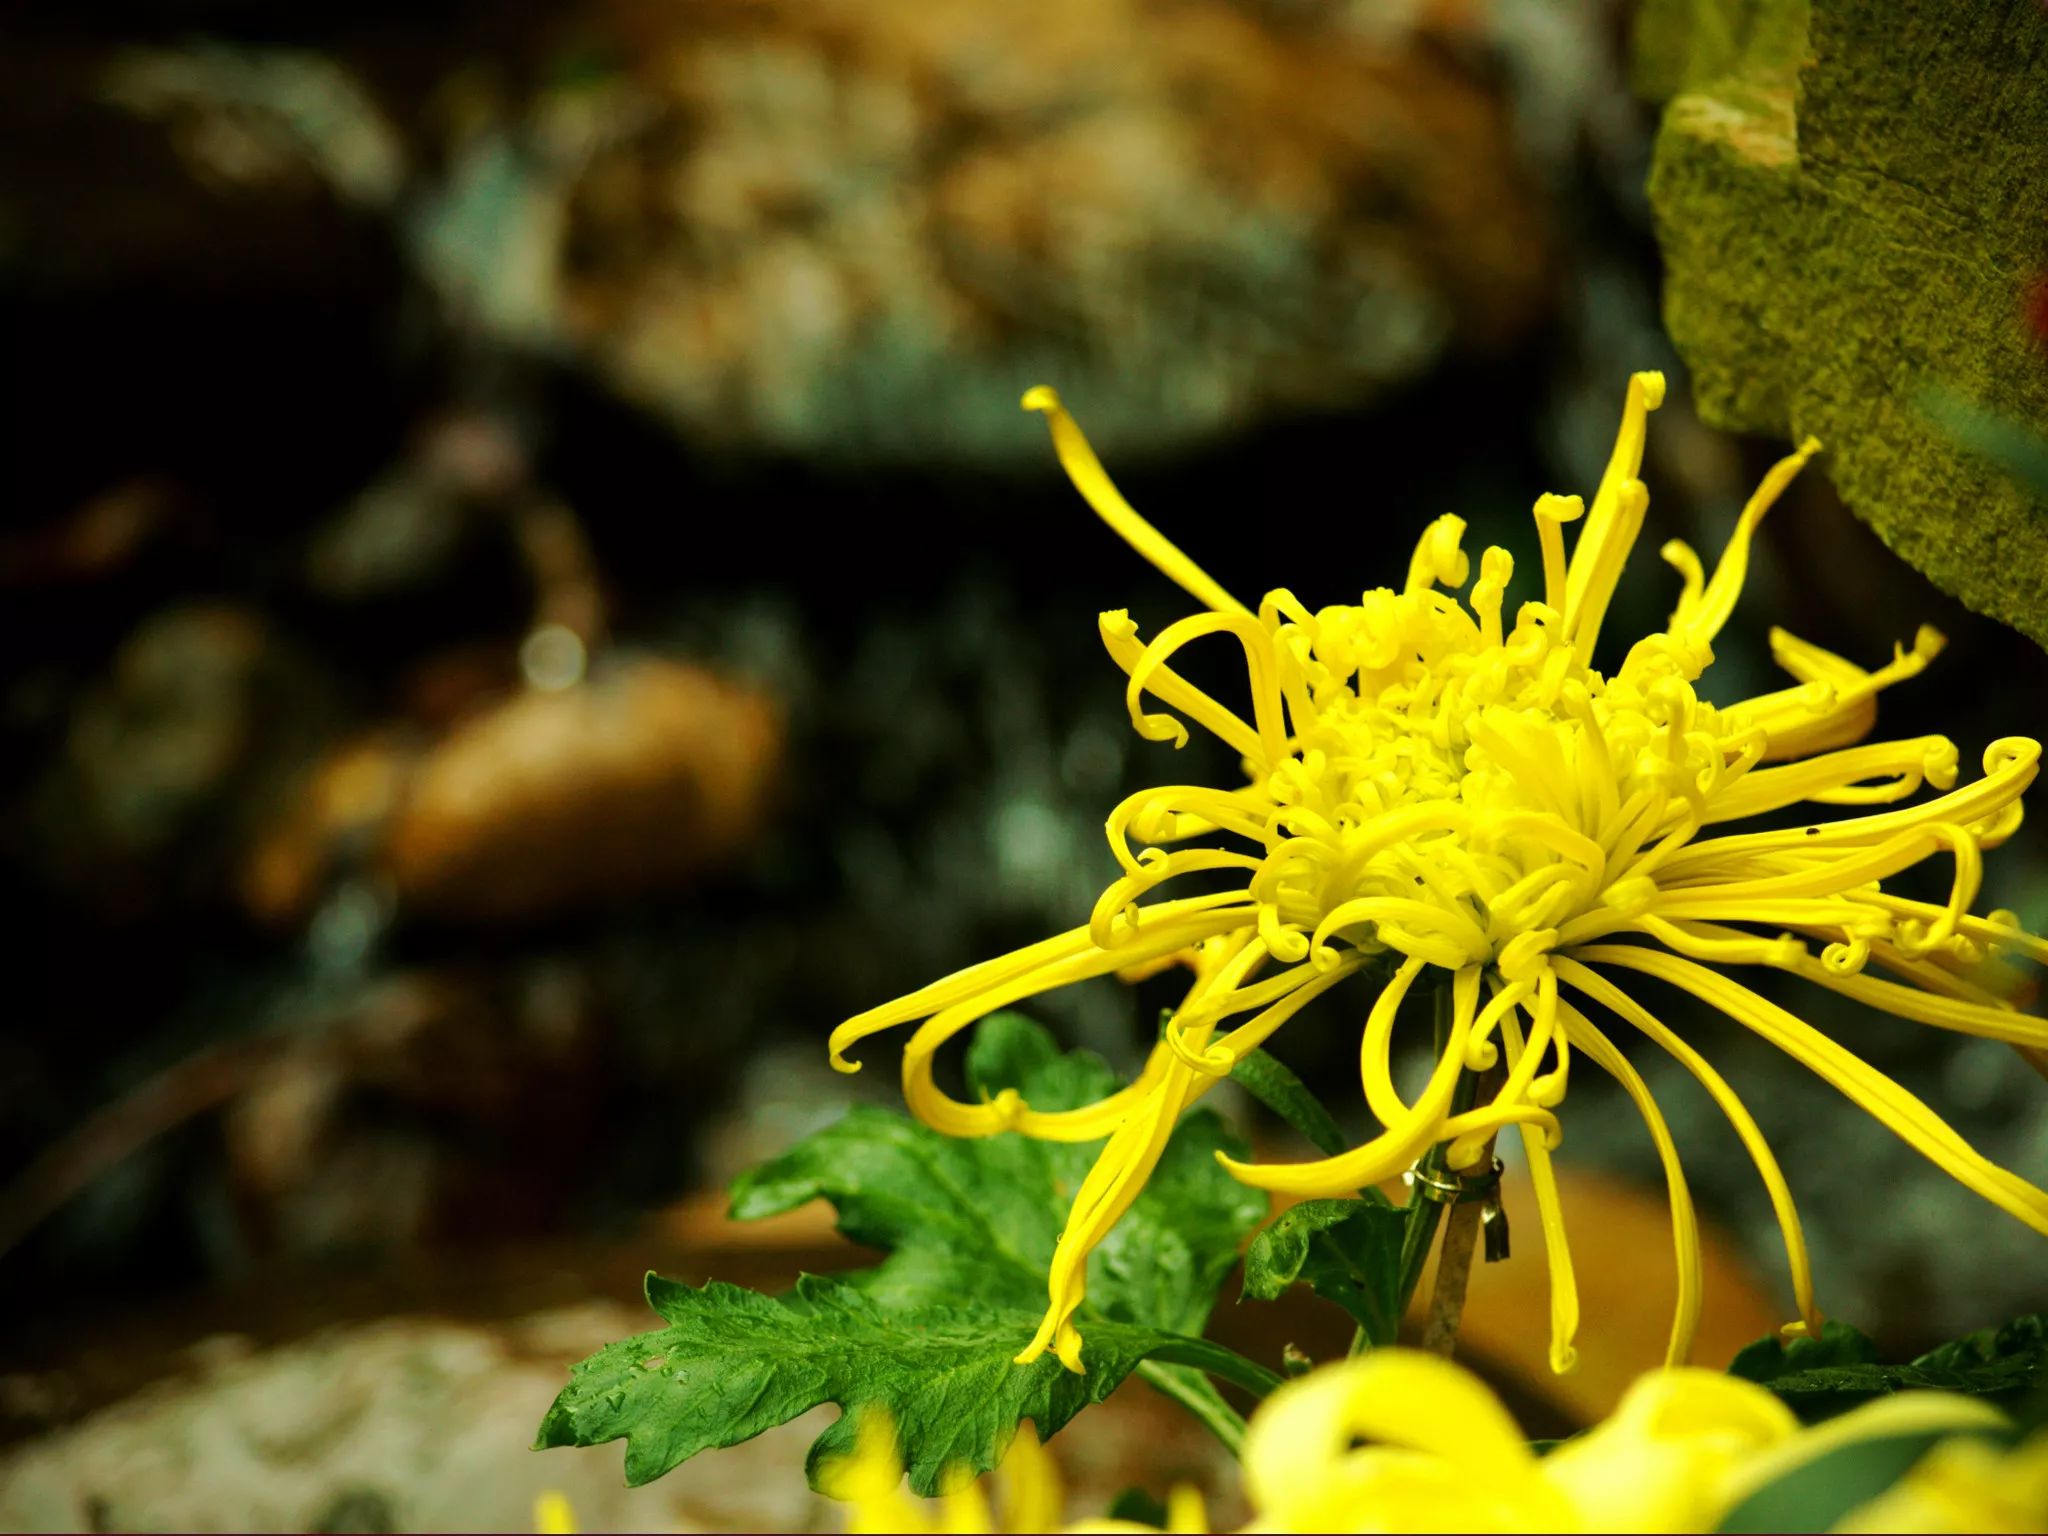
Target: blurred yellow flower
{"x": 1404, "y": 1441}
{"x": 871, "y": 1479}
{"x": 1440, "y": 1453}
{"x": 1400, "y": 1441}
{"x": 1446, "y": 790}
{"x": 1965, "y": 1485}
{"x": 552, "y": 1514}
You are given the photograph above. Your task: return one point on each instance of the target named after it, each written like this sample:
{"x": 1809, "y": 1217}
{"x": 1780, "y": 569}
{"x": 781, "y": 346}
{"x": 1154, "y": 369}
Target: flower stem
{"x": 1206, "y": 1355}
{"x": 1196, "y": 1393}
{"x": 1453, "y": 1274}
{"x": 1425, "y": 1211}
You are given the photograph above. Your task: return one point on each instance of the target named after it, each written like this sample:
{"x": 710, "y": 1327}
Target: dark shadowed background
{"x": 526, "y": 597}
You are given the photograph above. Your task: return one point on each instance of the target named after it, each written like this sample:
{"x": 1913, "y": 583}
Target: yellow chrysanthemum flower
{"x": 1402, "y": 1441}
{"x": 1964, "y": 1486}
{"x": 1437, "y": 787}
{"x": 1028, "y": 1482}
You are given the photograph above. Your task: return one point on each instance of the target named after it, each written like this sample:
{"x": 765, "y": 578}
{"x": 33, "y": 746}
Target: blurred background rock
{"x": 525, "y": 597}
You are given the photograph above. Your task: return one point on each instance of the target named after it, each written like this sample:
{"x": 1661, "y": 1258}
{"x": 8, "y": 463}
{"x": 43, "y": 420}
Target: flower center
{"x": 1526, "y": 783}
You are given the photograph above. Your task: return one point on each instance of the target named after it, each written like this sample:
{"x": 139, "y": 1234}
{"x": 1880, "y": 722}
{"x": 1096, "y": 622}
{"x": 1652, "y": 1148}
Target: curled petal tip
{"x": 1244, "y": 1173}
{"x": 1653, "y": 388}
{"x": 1808, "y": 447}
{"x": 1563, "y": 1359}
{"x": 1041, "y": 397}
{"x": 1161, "y": 728}
{"x": 842, "y": 1064}
{"x": 1846, "y": 958}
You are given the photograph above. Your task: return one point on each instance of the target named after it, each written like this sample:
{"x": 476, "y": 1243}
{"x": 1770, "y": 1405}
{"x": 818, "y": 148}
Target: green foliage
{"x": 1348, "y": 1251}
{"x": 1772, "y": 1359}
{"x": 929, "y": 1334}
{"x": 1273, "y": 1083}
{"x": 1138, "y": 1507}
{"x": 1820, "y": 1378}
{"x": 979, "y": 1217}
{"x": 732, "y": 1363}
{"x": 1814, "y": 1496}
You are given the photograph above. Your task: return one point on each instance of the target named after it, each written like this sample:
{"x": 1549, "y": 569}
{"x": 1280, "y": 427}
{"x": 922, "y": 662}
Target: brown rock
{"x": 201, "y": 716}
{"x": 865, "y": 229}
{"x": 647, "y": 774}
{"x": 638, "y": 779}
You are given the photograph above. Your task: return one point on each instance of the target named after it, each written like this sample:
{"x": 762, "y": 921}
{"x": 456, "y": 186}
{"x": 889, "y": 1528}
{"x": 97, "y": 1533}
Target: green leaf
{"x": 1816, "y": 1495}
{"x": 1139, "y": 1508}
{"x": 930, "y": 1333}
{"x": 732, "y": 1363}
{"x": 979, "y": 1217}
{"x": 1820, "y": 1378}
{"x": 1348, "y": 1251}
{"x": 2024, "y": 1338}
{"x": 1772, "y": 1358}
{"x": 1273, "y": 1083}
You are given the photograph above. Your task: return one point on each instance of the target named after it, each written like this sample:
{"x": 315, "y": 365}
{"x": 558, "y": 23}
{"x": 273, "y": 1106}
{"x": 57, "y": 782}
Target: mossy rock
{"x": 1849, "y": 195}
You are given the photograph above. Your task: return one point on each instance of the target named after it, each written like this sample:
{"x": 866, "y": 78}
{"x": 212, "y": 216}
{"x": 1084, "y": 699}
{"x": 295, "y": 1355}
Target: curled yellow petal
{"x": 1100, "y": 492}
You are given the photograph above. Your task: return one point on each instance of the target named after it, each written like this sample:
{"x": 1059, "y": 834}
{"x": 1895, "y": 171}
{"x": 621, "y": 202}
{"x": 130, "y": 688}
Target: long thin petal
{"x": 1604, "y": 992}
{"x": 987, "y": 975}
{"x": 1395, "y": 1148}
{"x": 1100, "y": 492}
{"x": 1685, "y": 1227}
{"x": 944, "y": 1113}
{"x": 1699, "y": 619}
{"x": 1869, "y": 1089}
{"x": 1564, "y": 1288}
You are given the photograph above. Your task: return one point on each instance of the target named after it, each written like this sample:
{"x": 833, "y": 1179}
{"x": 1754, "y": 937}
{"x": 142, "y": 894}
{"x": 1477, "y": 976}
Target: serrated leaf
{"x": 979, "y": 1217}
{"x": 1820, "y": 1378}
{"x": 2024, "y": 1338}
{"x": 1772, "y": 1358}
{"x": 930, "y": 1333}
{"x": 1348, "y": 1251}
{"x": 732, "y": 1363}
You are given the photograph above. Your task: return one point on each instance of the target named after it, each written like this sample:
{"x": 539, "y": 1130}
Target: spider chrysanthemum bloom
{"x": 1433, "y": 786}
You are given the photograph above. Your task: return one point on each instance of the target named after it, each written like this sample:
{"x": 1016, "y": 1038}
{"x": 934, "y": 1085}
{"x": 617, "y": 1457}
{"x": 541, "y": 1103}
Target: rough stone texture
{"x": 1849, "y": 196}
{"x": 412, "y": 1424}
{"x": 863, "y": 230}
{"x": 420, "y": 1423}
